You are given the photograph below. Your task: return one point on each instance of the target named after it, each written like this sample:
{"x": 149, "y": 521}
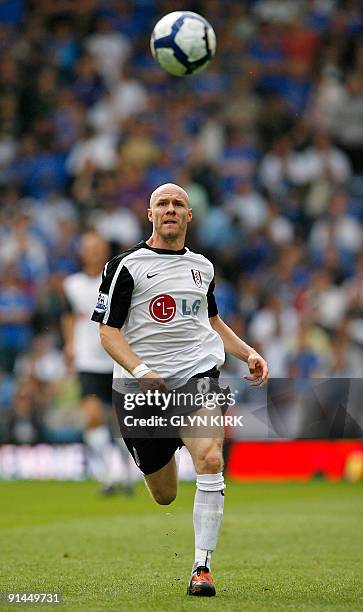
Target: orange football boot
{"x": 201, "y": 583}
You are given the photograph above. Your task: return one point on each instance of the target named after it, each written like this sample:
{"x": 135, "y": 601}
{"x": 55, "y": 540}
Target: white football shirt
{"x": 89, "y": 355}
{"x": 162, "y": 300}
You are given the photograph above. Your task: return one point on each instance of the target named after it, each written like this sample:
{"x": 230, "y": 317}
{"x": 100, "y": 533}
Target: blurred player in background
{"x": 85, "y": 354}
{"x": 159, "y": 320}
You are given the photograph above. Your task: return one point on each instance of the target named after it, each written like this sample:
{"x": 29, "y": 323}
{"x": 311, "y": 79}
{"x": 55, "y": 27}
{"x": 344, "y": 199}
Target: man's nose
{"x": 171, "y": 208}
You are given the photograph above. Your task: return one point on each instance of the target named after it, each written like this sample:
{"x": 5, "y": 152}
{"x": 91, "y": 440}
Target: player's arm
{"x": 111, "y": 312}
{"x": 116, "y": 345}
{"x": 238, "y": 348}
{"x": 234, "y": 345}
{"x": 67, "y": 328}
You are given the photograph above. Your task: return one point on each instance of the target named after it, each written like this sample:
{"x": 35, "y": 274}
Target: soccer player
{"x": 159, "y": 320}
{"x": 94, "y": 367}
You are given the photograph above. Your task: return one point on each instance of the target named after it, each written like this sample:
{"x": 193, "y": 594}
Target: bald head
{"x": 170, "y": 214}
{"x": 169, "y": 189}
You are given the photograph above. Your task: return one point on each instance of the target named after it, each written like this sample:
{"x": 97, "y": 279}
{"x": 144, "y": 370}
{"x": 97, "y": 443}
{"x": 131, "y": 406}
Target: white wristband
{"x": 140, "y": 370}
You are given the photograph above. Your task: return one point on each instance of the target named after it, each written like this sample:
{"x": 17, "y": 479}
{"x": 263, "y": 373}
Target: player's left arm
{"x": 238, "y": 348}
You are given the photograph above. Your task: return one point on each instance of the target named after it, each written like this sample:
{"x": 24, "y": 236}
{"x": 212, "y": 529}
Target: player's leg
{"x": 97, "y": 438}
{"x": 154, "y": 456}
{"x": 163, "y": 484}
{"x": 100, "y": 436}
{"x": 157, "y": 460}
{"x": 123, "y": 478}
{"x": 207, "y": 455}
{"x": 124, "y": 455}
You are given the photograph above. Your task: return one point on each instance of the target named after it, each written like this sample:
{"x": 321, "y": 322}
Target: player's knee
{"x": 163, "y": 498}
{"x": 93, "y": 411}
{"x": 210, "y": 462}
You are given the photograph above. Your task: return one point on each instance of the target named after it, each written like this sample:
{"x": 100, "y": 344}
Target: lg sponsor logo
{"x": 163, "y": 307}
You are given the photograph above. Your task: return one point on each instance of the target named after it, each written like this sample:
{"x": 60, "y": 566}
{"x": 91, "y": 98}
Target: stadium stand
{"x": 268, "y": 142}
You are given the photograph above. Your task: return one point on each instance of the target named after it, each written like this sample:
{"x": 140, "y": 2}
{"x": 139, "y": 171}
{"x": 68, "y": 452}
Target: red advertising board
{"x": 290, "y": 460}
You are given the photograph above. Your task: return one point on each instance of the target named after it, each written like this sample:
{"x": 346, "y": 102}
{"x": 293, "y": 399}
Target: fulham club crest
{"x": 197, "y": 277}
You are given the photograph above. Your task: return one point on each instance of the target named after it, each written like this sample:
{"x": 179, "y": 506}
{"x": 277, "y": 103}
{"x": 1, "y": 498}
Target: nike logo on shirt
{"x": 151, "y": 275}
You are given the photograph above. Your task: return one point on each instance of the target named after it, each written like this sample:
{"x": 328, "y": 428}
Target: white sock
{"x": 177, "y": 459}
{"x": 125, "y": 456}
{"x": 207, "y": 516}
{"x": 98, "y": 440}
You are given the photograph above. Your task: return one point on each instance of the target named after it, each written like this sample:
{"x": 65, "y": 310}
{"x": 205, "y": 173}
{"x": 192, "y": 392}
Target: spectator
{"x": 248, "y": 206}
{"x": 323, "y": 160}
{"x": 339, "y": 227}
{"x": 63, "y": 47}
{"x": 110, "y": 48}
{"x": 280, "y": 229}
{"x": 273, "y": 318}
{"x": 24, "y": 251}
{"x": 346, "y": 359}
{"x": 43, "y": 363}
{"x": 100, "y": 149}
{"x": 88, "y": 84}
{"x": 198, "y": 197}
{"x": 268, "y": 142}
{"x": 117, "y": 225}
{"x": 25, "y": 423}
{"x": 6, "y": 392}
{"x": 347, "y": 125}
{"x": 328, "y": 300}
{"x": 16, "y": 310}
{"x": 304, "y": 360}
{"x": 239, "y": 158}
{"x": 281, "y": 168}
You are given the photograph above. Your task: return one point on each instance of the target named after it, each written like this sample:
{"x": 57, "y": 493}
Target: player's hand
{"x": 152, "y": 381}
{"x": 69, "y": 354}
{"x": 258, "y": 370}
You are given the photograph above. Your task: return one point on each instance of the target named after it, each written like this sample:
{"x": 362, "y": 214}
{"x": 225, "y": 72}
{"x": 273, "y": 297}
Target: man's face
{"x": 94, "y": 250}
{"x": 170, "y": 213}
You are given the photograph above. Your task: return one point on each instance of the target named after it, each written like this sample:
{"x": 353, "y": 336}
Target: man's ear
{"x": 190, "y": 215}
{"x": 150, "y": 214}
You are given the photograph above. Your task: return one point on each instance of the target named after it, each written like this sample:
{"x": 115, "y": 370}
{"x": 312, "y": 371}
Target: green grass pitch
{"x": 282, "y": 547}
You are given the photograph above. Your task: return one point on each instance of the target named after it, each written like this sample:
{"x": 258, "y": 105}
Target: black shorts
{"x": 98, "y": 384}
{"x": 152, "y": 453}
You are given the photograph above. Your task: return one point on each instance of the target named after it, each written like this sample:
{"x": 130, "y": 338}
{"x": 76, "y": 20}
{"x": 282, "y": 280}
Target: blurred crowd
{"x": 268, "y": 142}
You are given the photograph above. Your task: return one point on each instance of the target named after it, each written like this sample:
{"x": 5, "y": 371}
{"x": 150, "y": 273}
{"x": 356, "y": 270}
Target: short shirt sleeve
{"x": 115, "y": 294}
{"x": 212, "y": 304}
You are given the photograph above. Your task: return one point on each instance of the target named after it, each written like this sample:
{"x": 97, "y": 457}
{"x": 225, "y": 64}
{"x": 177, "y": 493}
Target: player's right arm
{"x": 116, "y": 345}
{"x": 111, "y": 312}
{"x": 67, "y": 327}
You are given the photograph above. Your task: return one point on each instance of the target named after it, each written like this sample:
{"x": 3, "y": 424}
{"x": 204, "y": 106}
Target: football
{"x": 183, "y": 43}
